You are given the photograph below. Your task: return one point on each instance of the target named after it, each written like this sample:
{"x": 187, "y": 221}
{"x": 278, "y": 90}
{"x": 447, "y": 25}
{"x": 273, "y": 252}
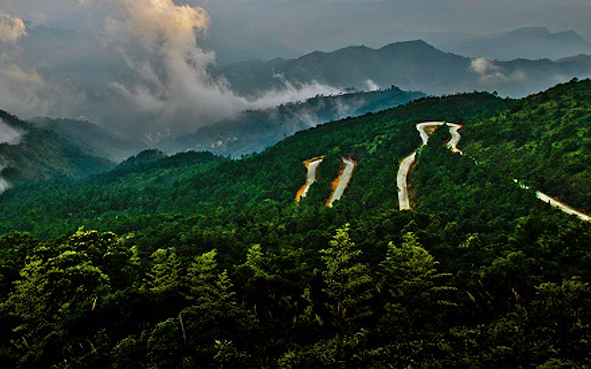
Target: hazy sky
{"x": 296, "y": 23}
{"x": 145, "y": 61}
{"x": 245, "y": 29}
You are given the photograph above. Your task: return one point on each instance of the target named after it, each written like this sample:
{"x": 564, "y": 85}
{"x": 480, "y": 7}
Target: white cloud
{"x": 372, "y": 85}
{"x": 11, "y": 28}
{"x": 490, "y": 73}
{"x": 10, "y": 135}
{"x": 174, "y": 87}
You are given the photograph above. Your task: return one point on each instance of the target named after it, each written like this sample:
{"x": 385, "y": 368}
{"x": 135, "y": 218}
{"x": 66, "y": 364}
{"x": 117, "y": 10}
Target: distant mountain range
{"x": 253, "y": 130}
{"x": 244, "y": 133}
{"x": 527, "y": 42}
{"x": 410, "y": 65}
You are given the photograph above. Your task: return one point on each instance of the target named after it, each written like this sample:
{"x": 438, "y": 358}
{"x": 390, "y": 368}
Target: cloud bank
{"x": 11, "y": 28}
{"x": 8, "y": 136}
{"x": 490, "y": 74}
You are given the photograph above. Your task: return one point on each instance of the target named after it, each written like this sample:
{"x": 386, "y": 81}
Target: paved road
{"x": 312, "y": 166}
{"x": 343, "y": 181}
{"x": 562, "y": 206}
{"x": 402, "y": 181}
{"x": 425, "y": 129}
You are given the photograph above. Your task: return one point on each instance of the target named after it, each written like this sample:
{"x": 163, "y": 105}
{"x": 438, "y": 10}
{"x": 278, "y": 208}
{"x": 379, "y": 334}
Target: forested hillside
{"x": 544, "y": 140}
{"x": 91, "y": 138}
{"x": 36, "y": 154}
{"x": 195, "y": 260}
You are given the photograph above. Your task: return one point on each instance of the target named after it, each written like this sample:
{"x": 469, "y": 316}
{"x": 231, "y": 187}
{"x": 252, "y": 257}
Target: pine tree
{"x": 348, "y": 284}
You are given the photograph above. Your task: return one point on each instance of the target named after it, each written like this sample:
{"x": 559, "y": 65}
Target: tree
{"x": 164, "y": 277}
{"x": 348, "y": 284}
{"x": 414, "y": 290}
{"x": 206, "y": 285}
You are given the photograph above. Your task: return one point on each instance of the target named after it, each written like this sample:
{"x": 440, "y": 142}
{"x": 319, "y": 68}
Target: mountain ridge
{"x": 42, "y": 155}
{"x": 411, "y": 65}
{"x": 533, "y": 42}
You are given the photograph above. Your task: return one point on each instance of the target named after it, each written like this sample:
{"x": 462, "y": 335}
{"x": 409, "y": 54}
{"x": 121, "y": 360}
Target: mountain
{"x": 200, "y": 260}
{"x": 29, "y": 153}
{"x": 400, "y": 64}
{"x": 91, "y": 138}
{"x": 523, "y": 43}
{"x": 378, "y": 141}
{"x": 253, "y": 130}
{"x": 410, "y": 65}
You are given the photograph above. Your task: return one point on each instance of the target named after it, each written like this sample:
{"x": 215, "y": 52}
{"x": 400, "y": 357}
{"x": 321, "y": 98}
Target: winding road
{"x": 425, "y": 129}
{"x": 312, "y": 166}
{"x": 340, "y": 184}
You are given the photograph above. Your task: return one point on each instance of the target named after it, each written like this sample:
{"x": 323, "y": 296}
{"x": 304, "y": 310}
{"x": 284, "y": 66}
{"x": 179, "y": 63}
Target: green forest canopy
{"x": 199, "y": 261}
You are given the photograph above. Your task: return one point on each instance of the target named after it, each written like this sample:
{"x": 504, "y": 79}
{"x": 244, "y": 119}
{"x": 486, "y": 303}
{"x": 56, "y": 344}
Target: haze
{"x": 141, "y": 67}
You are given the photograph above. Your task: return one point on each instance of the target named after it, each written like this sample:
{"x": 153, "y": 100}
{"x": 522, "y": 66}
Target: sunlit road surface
{"x": 562, "y": 206}
{"x": 342, "y": 181}
{"x": 425, "y": 129}
{"x": 312, "y": 166}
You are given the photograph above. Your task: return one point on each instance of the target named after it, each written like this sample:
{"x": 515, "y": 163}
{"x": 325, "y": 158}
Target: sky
{"x": 145, "y": 61}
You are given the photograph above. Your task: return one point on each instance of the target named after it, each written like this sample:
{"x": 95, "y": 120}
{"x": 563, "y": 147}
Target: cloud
{"x": 169, "y": 90}
{"x": 23, "y": 90}
{"x": 490, "y": 73}
{"x": 173, "y": 87}
{"x": 372, "y": 85}
{"x": 11, "y": 28}
{"x": 26, "y": 93}
{"x": 10, "y": 135}
{"x": 4, "y": 185}
{"x": 290, "y": 93}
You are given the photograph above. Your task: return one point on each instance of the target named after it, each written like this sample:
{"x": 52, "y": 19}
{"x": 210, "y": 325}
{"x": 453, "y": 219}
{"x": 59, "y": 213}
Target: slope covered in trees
{"x": 213, "y": 264}
{"x": 544, "y": 140}
{"x": 38, "y": 154}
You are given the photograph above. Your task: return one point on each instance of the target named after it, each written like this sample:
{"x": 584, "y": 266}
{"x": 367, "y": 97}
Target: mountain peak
{"x": 532, "y": 31}
{"x": 416, "y": 43}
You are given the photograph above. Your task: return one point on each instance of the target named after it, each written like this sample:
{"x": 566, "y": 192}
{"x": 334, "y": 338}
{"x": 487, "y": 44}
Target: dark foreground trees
{"x": 88, "y": 301}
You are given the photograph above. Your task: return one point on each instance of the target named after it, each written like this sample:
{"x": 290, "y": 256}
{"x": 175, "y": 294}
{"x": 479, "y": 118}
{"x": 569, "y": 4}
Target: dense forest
{"x": 195, "y": 260}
